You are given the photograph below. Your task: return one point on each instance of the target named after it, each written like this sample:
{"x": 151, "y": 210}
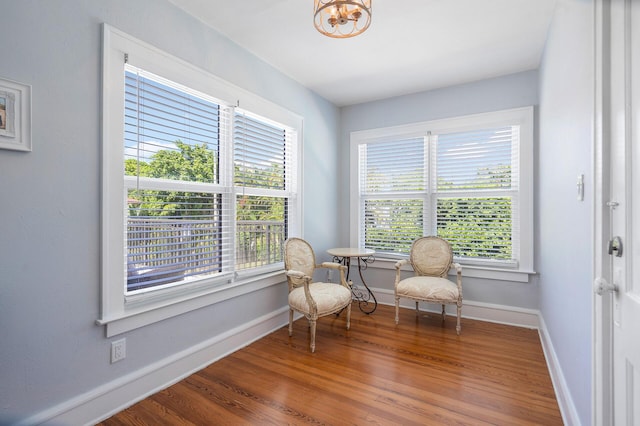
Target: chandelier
{"x": 342, "y": 18}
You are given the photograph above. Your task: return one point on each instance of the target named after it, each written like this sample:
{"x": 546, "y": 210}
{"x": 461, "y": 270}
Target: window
{"x": 175, "y": 224}
{"x": 468, "y": 180}
{"x": 179, "y": 204}
{"x": 263, "y": 171}
{"x": 198, "y": 193}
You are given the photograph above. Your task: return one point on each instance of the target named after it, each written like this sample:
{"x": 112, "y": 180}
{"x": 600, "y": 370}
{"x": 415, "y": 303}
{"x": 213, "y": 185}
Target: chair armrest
{"x": 331, "y": 265}
{"x": 297, "y": 274}
{"x": 459, "y": 278}
{"x": 400, "y": 263}
{"x": 306, "y": 280}
{"x": 398, "y": 266}
{"x": 339, "y": 267}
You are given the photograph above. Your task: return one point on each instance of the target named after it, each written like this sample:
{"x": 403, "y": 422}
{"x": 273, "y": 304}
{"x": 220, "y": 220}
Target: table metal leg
{"x": 366, "y": 300}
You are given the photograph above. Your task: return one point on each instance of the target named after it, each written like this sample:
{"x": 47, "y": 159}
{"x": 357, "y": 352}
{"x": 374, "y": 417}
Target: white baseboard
{"x": 565, "y": 402}
{"x": 106, "y": 400}
{"x": 520, "y": 317}
{"x": 113, "y": 397}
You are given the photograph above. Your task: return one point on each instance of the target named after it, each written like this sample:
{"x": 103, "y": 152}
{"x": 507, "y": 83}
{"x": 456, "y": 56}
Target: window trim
{"x": 521, "y": 116}
{"x": 117, "y": 312}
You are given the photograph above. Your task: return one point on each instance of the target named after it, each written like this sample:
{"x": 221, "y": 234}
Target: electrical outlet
{"x": 118, "y": 350}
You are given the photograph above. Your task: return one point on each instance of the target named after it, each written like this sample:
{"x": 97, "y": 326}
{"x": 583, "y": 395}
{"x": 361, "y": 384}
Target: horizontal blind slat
{"x": 473, "y": 162}
{"x": 476, "y": 159}
{"x": 260, "y": 152}
{"x": 172, "y": 134}
{"x": 477, "y": 227}
{"x": 392, "y": 166}
{"x": 174, "y": 147}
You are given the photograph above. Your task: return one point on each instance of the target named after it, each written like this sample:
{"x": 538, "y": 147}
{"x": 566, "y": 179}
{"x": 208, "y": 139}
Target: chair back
{"x": 431, "y": 256}
{"x": 298, "y": 256}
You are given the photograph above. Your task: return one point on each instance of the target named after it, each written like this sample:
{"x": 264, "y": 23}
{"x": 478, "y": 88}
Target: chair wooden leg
{"x": 458, "y": 327}
{"x": 444, "y": 315}
{"x": 348, "y": 316}
{"x": 417, "y": 309}
{"x": 290, "y": 322}
{"x": 312, "y": 324}
{"x": 397, "y": 309}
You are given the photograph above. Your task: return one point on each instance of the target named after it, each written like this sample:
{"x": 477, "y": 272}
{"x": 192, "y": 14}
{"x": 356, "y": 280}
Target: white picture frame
{"x": 15, "y": 115}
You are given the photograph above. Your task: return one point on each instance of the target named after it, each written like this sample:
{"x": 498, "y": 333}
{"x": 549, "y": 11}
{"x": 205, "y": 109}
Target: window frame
{"x": 144, "y": 92}
{"x": 120, "y": 312}
{"x": 524, "y": 117}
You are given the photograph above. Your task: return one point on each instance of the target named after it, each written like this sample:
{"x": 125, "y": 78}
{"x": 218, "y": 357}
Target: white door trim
{"x": 602, "y": 332}
{"x": 602, "y": 412}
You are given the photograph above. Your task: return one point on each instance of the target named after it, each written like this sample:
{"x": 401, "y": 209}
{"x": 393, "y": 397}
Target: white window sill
{"x": 140, "y": 314}
{"x": 471, "y": 271}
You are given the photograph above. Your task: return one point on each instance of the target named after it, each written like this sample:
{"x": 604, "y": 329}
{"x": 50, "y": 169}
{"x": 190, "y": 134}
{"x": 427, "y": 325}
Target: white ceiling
{"x": 411, "y": 45}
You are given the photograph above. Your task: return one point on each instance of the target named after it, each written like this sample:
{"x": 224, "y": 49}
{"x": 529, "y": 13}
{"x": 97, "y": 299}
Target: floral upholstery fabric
{"x": 431, "y": 258}
{"x": 300, "y": 257}
{"x": 313, "y": 299}
{"x": 328, "y": 297}
{"x": 428, "y": 288}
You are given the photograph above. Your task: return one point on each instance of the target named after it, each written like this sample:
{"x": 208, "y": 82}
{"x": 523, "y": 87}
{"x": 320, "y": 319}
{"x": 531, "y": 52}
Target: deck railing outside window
{"x": 162, "y": 251}
{"x": 259, "y": 243}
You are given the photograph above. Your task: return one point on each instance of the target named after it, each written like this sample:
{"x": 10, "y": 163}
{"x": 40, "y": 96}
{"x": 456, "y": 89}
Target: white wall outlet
{"x": 118, "y": 350}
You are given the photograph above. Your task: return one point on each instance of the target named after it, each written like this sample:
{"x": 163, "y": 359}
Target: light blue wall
{"x": 565, "y": 242}
{"x": 511, "y": 91}
{"x": 50, "y": 349}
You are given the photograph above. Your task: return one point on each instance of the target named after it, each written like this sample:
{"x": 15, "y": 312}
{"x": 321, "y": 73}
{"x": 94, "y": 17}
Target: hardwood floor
{"x": 418, "y": 372}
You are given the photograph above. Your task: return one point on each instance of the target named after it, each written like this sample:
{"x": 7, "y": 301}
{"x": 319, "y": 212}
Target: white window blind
{"x": 476, "y": 177}
{"x": 395, "y": 166}
{"x": 260, "y": 152}
{"x": 459, "y": 179}
{"x": 393, "y": 189}
{"x": 176, "y": 229}
{"x": 181, "y": 185}
{"x": 263, "y": 160}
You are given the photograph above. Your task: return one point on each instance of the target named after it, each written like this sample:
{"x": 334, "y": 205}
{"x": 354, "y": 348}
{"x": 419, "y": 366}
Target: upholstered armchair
{"x": 313, "y": 299}
{"x": 431, "y": 259}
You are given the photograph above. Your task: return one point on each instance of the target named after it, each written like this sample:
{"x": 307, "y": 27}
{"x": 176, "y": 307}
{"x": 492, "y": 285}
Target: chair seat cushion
{"x": 329, "y": 297}
{"x": 432, "y": 288}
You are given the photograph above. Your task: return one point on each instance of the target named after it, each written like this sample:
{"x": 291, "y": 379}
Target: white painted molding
{"x": 509, "y": 315}
{"x": 468, "y": 271}
{"x": 106, "y": 400}
{"x": 565, "y": 402}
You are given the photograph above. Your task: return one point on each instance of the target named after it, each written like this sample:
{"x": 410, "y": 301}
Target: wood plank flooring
{"x": 418, "y": 372}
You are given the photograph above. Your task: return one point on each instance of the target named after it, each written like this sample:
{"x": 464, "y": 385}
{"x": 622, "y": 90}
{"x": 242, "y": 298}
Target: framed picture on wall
{"x": 15, "y": 115}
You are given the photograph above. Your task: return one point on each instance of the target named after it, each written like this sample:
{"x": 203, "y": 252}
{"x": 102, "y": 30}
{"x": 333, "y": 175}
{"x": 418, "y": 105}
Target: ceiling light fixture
{"x": 342, "y": 18}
